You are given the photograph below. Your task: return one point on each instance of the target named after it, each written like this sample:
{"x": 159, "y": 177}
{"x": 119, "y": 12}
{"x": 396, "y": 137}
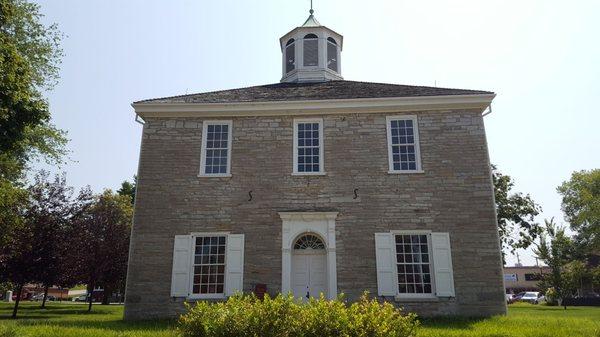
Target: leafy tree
{"x": 12, "y": 199}
{"x": 29, "y": 58}
{"x": 556, "y": 248}
{"x": 101, "y": 231}
{"x": 33, "y": 250}
{"x": 128, "y": 189}
{"x": 30, "y": 55}
{"x": 16, "y": 256}
{"x": 516, "y": 213}
{"x": 6, "y": 286}
{"x": 48, "y": 213}
{"x": 595, "y": 273}
{"x": 581, "y": 205}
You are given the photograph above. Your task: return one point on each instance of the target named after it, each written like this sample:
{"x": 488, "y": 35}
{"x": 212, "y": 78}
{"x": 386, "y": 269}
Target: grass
{"x": 71, "y": 320}
{"x": 523, "y": 320}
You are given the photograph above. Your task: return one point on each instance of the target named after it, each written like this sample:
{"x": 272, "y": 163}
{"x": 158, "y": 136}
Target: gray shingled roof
{"x": 313, "y": 91}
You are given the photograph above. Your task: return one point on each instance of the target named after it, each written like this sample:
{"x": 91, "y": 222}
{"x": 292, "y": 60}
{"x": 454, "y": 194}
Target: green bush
{"x": 551, "y": 296}
{"x": 284, "y": 316}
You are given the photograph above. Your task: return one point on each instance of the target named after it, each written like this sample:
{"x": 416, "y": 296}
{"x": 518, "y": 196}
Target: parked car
{"x": 532, "y": 297}
{"x": 40, "y": 297}
{"x": 518, "y": 296}
{"x": 37, "y": 297}
{"x": 80, "y": 298}
{"x": 510, "y": 298}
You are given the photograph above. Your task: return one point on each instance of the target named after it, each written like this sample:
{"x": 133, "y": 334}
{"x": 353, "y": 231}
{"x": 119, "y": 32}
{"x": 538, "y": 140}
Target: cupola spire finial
{"x": 311, "y": 9}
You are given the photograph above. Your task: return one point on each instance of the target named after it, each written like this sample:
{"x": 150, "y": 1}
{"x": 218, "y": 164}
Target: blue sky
{"x": 540, "y": 57}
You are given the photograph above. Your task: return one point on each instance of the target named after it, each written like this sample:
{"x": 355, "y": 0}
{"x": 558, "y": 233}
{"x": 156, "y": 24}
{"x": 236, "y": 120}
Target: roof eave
{"x": 314, "y": 107}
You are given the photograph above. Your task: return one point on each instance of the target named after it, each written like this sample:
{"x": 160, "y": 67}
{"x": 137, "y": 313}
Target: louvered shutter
{"x": 386, "y": 264}
{"x": 180, "y": 277}
{"x": 234, "y": 264}
{"x": 442, "y": 264}
{"x": 332, "y": 56}
{"x": 311, "y": 52}
{"x": 290, "y": 58}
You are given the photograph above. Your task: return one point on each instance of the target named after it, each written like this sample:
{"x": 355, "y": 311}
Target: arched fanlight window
{"x": 311, "y": 50}
{"x": 309, "y": 241}
{"x": 290, "y": 56}
{"x": 332, "y": 58}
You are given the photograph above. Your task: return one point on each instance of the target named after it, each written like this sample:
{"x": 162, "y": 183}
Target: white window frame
{"x": 205, "y": 125}
{"x": 405, "y": 296}
{"x": 321, "y": 147}
{"x": 193, "y": 296}
{"x": 414, "y": 119}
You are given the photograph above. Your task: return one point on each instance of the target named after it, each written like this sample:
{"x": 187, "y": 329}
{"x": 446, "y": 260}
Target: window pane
{"x": 413, "y": 265}
{"x": 209, "y": 265}
{"x": 308, "y": 147}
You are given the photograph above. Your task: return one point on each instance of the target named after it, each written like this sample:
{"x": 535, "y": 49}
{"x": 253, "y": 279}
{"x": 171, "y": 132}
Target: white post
{"x": 286, "y": 272}
{"x": 331, "y": 258}
{"x": 8, "y": 297}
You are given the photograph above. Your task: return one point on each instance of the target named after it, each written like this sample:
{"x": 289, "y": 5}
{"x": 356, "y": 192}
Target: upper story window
{"x": 308, "y": 146}
{"x": 311, "y": 50}
{"x": 403, "y": 144}
{"x": 290, "y": 56}
{"x": 332, "y": 62}
{"x": 216, "y": 149}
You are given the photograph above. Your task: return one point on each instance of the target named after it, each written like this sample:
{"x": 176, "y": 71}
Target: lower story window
{"x": 413, "y": 262}
{"x": 209, "y": 265}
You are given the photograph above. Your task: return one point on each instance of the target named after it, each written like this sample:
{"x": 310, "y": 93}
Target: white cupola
{"x": 311, "y": 53}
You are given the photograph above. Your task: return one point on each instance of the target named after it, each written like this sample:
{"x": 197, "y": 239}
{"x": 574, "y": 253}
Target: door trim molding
{"x": 296, "y": 223}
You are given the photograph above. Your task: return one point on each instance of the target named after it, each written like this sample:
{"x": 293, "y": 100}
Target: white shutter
{"x": 234, "y": 264}
{"x": 386, "y": 264}
{"x": 180, "y": 279}
{"x": 442, "y": 264}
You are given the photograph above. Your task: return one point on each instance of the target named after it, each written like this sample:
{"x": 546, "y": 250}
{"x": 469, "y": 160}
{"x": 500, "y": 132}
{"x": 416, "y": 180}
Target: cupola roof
{"x": 311, "y": 22}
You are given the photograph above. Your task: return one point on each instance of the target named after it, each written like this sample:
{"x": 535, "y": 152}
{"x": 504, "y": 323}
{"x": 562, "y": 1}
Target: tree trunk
{"x": 91, "y": 295}
{"x": 45, "y": 296}
{"x": 16, "y": 307}
{"x": 106, "y": 295}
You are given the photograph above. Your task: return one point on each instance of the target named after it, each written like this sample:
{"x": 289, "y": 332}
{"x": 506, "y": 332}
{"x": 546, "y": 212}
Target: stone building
{"x": 316, "y": 185}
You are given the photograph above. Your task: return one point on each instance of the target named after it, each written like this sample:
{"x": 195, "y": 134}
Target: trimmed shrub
{"x": 371, "y": 318}
{"x": 551, "y": 297}
{"x": 284, "y": 316}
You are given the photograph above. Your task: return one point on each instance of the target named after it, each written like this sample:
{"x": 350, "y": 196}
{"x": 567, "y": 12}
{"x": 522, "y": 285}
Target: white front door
{"x": 309, "y": 273}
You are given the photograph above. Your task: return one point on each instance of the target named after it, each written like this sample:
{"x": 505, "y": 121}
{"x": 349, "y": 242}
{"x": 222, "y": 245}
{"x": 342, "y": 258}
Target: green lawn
{"x": 523, "y": 320}
{"x": 71, "y": 320}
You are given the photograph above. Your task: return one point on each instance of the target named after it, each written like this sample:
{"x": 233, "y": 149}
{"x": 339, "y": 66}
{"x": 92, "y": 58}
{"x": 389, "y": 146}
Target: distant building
{"x": 523, "y": 278}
